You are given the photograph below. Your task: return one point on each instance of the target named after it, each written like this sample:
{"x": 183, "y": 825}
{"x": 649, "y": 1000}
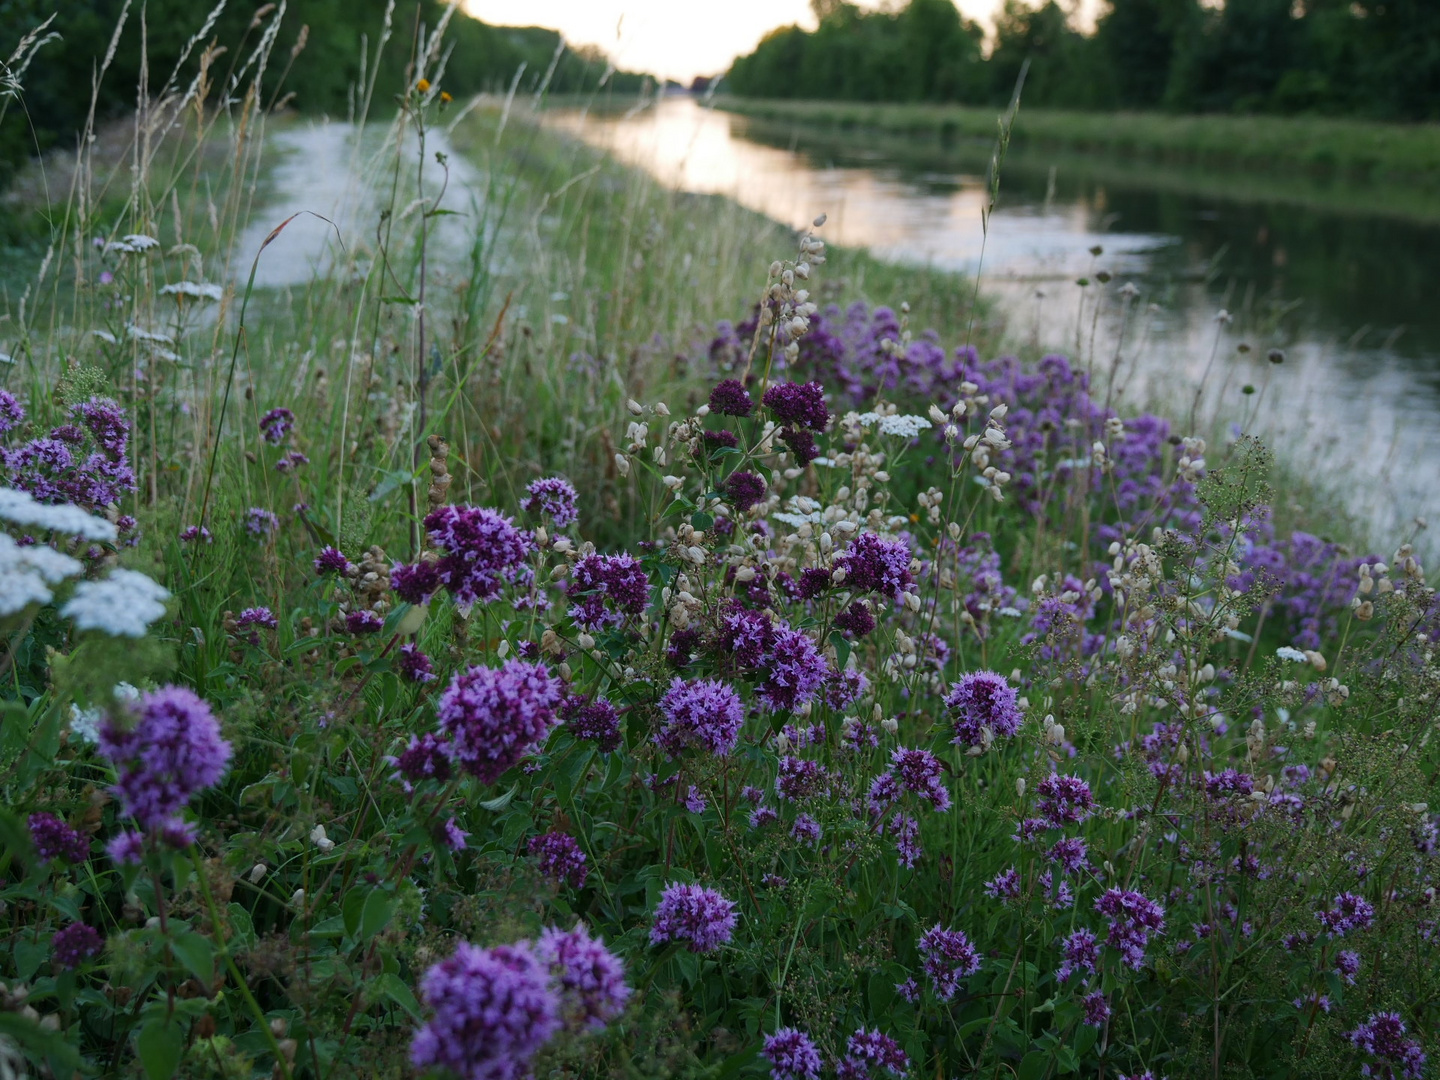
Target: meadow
{"x": 656, "y": 644}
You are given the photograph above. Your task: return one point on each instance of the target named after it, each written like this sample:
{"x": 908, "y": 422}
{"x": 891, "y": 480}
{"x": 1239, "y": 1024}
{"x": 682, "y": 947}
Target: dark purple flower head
{"x": 416, "y": 582}
{"x": 605, "y": 590}
{"x": 795, "y": 671}
{"x": 260, "y": 522}
{"x": 982, "y": 701}
{"x": 801, "y": 443}
{"x": 493, "y": 1009}
{"x": 173, "y": 751}
{"x": 873, "y": 1049}
{"x": 291, "y": 461}
{"x": 1228, "y": 781}
{"x": 1069, "y": 853}
{"x": 745, "y": 635}
{"x": 12, "y": 413}
{"x": 813, "y": 582}
{"x": 873, "y": 564}
{"x": 855, "y": 621}
{"x": 193, "y": 533}
{"x": 257, "y": 616}
{"x": 71, "y": 947}
{"x": 590, "y": 978}
{"x": 1350, "y": 912}
{"x": 482, "y": 551}
{"x": 922, "y": 773}
{"x": 744, "y": 489}
{"x": 947, "y": 957}
{"x": 107, "y": 424}
{"x": 730, "y": 398}
{"x": 54, "y": 839}
{"x": 1004, "y": 886}
{"x": 844, "y": 688}
{"x": 494, "y": 717}
{"x": 276, "y": 424}
{"x": 1063, "y": 800}
{"x": 594, "y": 721}
{"x": 1133, "y": 918}
{"x": 705, "y": 714}
{"x": 364, "y": 621}
{"x": 126, "y": 849}
{"x": 555, "y": 497}
{"x": 800, "y": 779}
{"x": 800, "y": 405}
{"x": 1383, "y": 1037}
{"x": 717, "y": 440}
{"x": 331, "y": 560}
{"x": 453, "y": 836}
{"x": 413, "y": 665}
{"x": 693, "y": 914}
{"x": 1347, "y": 965}
{"x": 426, "y": 758}
{"x": 806, "y": 829}
{"x": 792, "y": 1055}
{"x": 560, "y": 858}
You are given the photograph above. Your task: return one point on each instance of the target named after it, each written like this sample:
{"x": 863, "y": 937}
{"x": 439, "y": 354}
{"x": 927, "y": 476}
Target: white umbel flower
{"x": 1285, "y": 652}
{"x": 906, "y": 427}
{"x": 26, "y": 573}
{"x": 85, "y": 723}
{"x": 20, "y": 508}
{"x": 122, "y": 605}
{"x": 194, "y": 290}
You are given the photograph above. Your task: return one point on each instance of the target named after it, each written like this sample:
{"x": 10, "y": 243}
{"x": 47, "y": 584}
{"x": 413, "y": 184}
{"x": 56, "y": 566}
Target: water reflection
{"x": 1347, "y": 295}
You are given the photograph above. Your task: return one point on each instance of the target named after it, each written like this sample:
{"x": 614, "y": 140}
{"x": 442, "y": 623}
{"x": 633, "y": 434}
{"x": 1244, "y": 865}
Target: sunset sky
{"x": 678, "y": 39}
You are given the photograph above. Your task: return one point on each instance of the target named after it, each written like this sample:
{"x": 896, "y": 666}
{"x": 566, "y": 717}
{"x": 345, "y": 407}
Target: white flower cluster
{"x": 194, "y": 290}
{"x": 19, "y": 508}
{"x": 906, "y": 427}
{"x": 131, "y": 244}
{"x": 122, "y": 605}
{"x": 1295, "y": 656}
{"x": 85, "y": 723}
{"x": 26, "y": 573}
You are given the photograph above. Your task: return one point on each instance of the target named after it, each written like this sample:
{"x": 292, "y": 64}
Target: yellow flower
{"x": 423, "y": 86}
{"x": 445, "y": 98}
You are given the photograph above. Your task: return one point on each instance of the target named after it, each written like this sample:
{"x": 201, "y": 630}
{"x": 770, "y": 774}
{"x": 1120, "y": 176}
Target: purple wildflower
{"x": 872, "y": 564}
{"x": 906, "y": 831}
{"x": 796, "y": 671}
{"x": 705, "y": 715}
{"x": 1383, "y": 1037}
{"x": 173, "y": 751}
{"x": 745, "y": 636}
{"x": 257, "y": 616}
{"x": 193, "y": 533}
{"x": 413, "y": 665}
{"x": 453, "y": 835}
{"x": 1133, "y": 918}
{"x": 695, "y": 800}
{"x": 276, "y": 424}
{"x": 730, "y": 398}
{"x": 762, "y": 815}
{"x": 494, "y": 1008}
{"x": 701, "y": 917}
{"x": 909, "y": 990}
{"x": 426, "y": 758}
{"x": 12, "y": 413}
{"x": 800, "y": 405}
{"x": 595, "y": 721}
{"x": 844, "y": 688}
{"x": 126, "y": 849}
{"x": 1063, "y": 800}
{"x": 1350, "y": 912}
{"x": 921, "y": 773}
{"x": 801, "y": 443}
{"x": 855, "y": 621}
{"x": 1096, "y": 1008}
{"x": 1069, "y": 853}
{"x": 806, "y": 829}
{"x": 799, "y": 779}
{"x": 54, "y": 839}
{"x": 1004, "y": 886}
{"x": 553, "y": 496}
{"x": 1228, "y": 781}
{"x": 71, "y": 947}
{"x": 947, "y": 958}
{"x": 745, "y": 489}
{"x": 1082, "y": 954}
{"x": 590, "y": 978}
{"x": 260, "y": 522}
{"x": 482, "y": 551}
{"x": 415, "y": 582}
{"x": 560, "y": 858}
{"x": 494, "y": 717}
{"x": 1347, "y": 965}
{"x": 364, "y": 621}
{"x": 331, "y": 560}
{"x": 872, "y": 1048}
{"x": 614, "y": 580}
{"x": 291, "y": 461}
{"x": 792, "y": 1055}
{"x": 981, "y": 702}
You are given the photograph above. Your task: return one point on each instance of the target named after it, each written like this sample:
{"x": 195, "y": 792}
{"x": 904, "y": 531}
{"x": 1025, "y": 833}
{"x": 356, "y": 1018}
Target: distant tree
{"x": 1138, "y": 40}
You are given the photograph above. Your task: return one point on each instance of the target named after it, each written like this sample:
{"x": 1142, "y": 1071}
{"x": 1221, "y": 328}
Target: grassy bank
{"x": 1399, "y": 154}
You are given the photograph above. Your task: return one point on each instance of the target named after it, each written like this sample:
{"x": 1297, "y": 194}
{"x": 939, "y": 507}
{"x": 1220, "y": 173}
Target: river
{"x": 1349, "y": 297}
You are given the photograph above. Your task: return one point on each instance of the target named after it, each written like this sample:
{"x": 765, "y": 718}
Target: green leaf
{"x": 29, "y": 955}
{"x": 197, "y": 953}
{"x": 243, "y": 925}
{"x": 702, "y": 521}
{"x": 391, "y": 986}
{"x": 1034, "y": 1065}
{"x": 159, "y": 1045}
{"x": 500, "y": 802}
{"x": 376, "y": 914}
{"x": 50, "y": 1045}
{"x": 390, "y": 482}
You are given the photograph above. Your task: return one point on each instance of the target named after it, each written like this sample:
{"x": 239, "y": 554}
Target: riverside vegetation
{"x": 636, "y": 650}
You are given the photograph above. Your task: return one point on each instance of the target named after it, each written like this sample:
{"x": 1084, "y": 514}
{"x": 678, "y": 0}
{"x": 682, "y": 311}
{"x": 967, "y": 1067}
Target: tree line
{"x": 54, "y": 101}
{"x": 1378, "y": 58}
